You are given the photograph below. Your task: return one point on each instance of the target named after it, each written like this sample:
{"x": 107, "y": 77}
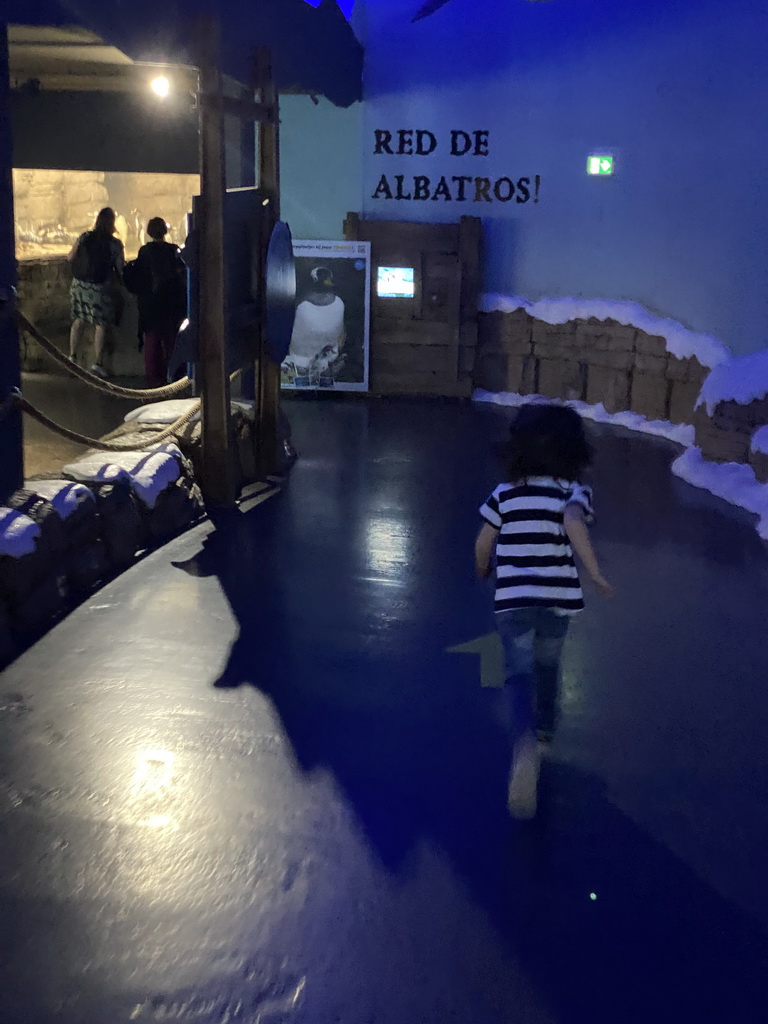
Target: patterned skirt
{"x": 94, "y": 303}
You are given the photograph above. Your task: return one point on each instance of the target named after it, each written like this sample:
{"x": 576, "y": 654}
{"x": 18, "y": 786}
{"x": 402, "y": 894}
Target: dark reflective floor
{"x": 246, "y": 782}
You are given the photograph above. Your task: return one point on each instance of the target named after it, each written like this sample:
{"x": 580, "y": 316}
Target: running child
{"x": 535, "y": 521}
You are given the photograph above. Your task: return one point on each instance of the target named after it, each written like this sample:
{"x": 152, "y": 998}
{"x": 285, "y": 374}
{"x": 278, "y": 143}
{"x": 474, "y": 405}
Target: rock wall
{"x": 52, "y": 208}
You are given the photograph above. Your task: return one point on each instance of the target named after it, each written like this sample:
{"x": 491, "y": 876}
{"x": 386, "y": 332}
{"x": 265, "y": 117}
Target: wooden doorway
{"x": 423, "y": 342}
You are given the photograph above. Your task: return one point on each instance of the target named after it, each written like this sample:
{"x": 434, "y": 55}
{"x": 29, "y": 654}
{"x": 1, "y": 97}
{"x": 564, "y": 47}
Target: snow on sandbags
{"x": 144, "y": 496}
{"x": 160, "y": 415}
{"x": 147, "y": 472}
{"x": 31, "y": 595}
{"x": 84, "y": 560}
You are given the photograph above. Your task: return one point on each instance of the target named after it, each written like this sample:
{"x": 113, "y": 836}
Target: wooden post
{"x": 218, "y": 455}
{"x": 11, "y": 441}
{"x": 269, "y": 181}
{"x": 248, "y": 177}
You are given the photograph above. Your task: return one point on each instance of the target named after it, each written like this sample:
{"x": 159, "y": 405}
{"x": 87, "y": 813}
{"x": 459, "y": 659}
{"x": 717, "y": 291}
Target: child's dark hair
{"x": 546, "y": 440}
{"x": 157, "y": 229}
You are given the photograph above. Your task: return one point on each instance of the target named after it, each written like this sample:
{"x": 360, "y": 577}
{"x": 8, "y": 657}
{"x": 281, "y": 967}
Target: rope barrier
{"x": 142, "y": 394}
{"x": 17, "y": 400}
{"x": 106, "y": 446}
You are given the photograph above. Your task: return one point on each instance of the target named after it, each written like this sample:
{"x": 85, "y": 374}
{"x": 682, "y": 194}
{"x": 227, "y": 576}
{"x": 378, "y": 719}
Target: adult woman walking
{"x": 97, "y": 259}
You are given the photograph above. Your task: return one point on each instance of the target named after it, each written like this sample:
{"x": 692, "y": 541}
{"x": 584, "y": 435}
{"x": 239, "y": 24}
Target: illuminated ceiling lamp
{"x": 160, "y": 86}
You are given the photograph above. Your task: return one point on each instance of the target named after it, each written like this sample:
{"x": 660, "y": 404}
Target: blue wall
{"x": 679, "y": 88}
{"x": 321, "y": 174}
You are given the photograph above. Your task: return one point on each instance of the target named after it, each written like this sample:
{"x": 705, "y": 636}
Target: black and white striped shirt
{"x": 535, "y": 566}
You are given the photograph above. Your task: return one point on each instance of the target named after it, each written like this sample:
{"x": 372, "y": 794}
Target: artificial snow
{"x": 63, "y": 495}
{"x": 732, "y": 481}
{"x": 759, "y": 441}
{"x": 18, "y": 533}
{"x": 165, "y": 413}
{"x": 680, "y": 342}
{"x": 148, "y": 472}
{"x": 681, "y": 433}
{"x": 742, "y": 380}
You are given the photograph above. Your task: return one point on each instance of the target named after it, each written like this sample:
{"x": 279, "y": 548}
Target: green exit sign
{"x": 600, "y": 165}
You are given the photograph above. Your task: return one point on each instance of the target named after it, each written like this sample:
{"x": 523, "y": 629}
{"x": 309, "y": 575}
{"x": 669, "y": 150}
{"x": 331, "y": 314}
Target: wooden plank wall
{"x": 425, "y": 344}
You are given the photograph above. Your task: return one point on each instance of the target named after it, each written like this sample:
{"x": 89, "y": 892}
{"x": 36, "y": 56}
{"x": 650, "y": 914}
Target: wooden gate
{"x": 423, "y": 343}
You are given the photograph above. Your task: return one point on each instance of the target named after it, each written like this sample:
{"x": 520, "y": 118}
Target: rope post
{"x": 11, "y": 439}
{"x": 218, "y": 480}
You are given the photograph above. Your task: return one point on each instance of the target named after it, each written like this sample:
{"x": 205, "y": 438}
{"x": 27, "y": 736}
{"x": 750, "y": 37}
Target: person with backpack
{"x": 157, "y": 277}
{"x": 97, "y": 259}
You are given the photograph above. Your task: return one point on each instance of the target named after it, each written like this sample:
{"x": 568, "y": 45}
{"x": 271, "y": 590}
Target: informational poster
{"x": 329, "y": 344}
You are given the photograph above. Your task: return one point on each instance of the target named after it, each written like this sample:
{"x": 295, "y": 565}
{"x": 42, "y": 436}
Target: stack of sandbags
{"x": 32, "y": 594}
{"x": 160, "y": 415}
{"x": 144, "y": 497}
{"x": 84, "y": 559}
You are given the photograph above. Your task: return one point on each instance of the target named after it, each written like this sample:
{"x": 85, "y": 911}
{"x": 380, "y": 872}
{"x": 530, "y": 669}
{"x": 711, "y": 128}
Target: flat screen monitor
{"x": 395, "y": 283}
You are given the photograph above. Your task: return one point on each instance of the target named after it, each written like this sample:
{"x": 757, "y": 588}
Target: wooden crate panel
{"x": 420, "y": 384}
{"x": 403, "y": 360}
{"x": 413, "y": 332}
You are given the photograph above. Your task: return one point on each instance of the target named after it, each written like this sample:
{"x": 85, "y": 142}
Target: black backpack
{"x": 164, "y": 267}
{"x": 92, "y": 261}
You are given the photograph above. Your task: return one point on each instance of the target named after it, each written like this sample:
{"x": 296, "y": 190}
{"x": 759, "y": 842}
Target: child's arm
{"x": 578, "y": 535}
{"x": 484, "y": 545}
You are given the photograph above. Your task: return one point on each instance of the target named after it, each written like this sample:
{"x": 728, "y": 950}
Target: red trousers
{"x": 158, "y": 345}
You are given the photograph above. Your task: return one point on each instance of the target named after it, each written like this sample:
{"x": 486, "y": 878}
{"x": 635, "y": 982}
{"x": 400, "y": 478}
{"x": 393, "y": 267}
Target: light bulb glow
{"x": 160, "y": 86}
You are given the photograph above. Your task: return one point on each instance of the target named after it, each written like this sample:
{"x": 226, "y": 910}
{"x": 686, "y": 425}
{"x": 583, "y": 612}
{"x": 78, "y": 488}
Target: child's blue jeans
{"x": 533, "y": 641}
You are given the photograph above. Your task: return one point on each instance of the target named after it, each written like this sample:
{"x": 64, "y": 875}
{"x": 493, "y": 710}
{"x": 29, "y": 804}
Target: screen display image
{"x": 395, "y": 283}
{"x": 329, "y": 344}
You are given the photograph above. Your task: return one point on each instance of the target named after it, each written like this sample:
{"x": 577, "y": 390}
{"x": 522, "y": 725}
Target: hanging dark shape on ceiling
{"x": 428, "y": 8}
